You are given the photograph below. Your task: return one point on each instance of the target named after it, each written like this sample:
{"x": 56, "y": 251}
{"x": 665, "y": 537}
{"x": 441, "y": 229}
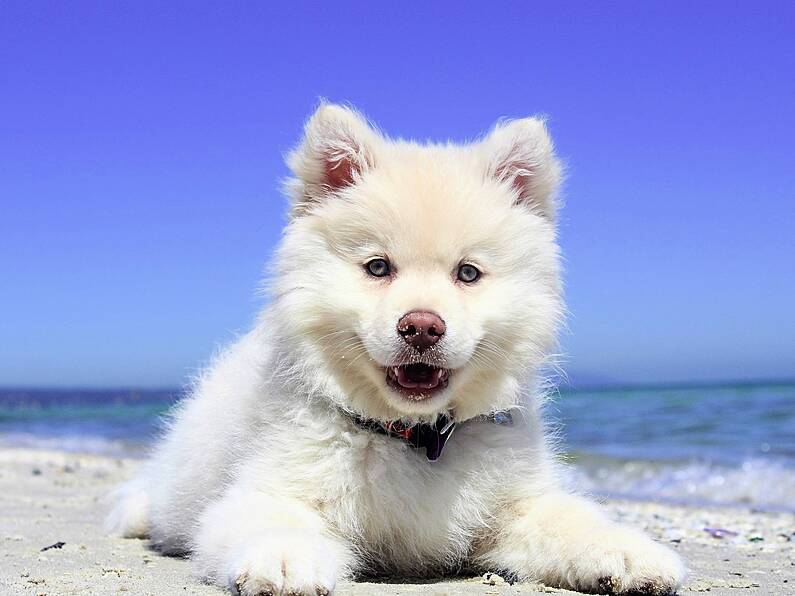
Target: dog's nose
{"x": 421, "y": 329}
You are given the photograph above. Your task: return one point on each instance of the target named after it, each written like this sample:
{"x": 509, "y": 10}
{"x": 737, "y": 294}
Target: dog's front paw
{"x": 623, "y": 561}
{"x": 285, "y": 563}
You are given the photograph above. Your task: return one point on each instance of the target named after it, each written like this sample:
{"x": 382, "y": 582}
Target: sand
{"x": 54, "y": 498}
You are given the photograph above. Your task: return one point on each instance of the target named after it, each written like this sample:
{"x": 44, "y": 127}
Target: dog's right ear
{"x": 338, "y": 147}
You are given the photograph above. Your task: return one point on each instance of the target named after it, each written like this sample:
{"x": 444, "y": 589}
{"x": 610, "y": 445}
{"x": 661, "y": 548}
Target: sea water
{"x": 706, "y": 444}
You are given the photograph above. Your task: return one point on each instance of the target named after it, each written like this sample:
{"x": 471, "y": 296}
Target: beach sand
{"x": 54, "y": 498}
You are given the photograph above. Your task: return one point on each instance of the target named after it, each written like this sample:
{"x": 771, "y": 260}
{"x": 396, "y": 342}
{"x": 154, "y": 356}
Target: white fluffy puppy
{"x": 382, "y": 415}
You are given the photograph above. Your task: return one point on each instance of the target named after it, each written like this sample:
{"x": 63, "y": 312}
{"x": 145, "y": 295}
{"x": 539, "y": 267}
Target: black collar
{"x": 431, "y": 436}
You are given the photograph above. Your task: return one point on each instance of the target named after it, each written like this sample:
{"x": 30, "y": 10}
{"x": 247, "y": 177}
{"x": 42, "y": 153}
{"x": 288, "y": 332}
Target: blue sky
{"x": 141, "y": 148}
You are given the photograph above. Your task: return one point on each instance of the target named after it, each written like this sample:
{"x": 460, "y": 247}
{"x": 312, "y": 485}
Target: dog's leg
{"x": 564, "y": 540}
{"x": 262, "y": 545}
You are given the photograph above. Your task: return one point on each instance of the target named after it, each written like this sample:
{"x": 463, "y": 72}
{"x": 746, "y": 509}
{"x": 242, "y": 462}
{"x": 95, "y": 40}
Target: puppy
{"x": 383, "y": 414}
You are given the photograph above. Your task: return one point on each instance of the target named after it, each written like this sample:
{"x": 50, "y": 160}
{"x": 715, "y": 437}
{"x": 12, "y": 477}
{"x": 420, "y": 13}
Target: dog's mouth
{"x": 417, "y": 381}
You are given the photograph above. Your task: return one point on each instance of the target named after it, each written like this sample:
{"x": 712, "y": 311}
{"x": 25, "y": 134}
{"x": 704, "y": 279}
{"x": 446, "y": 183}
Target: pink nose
{"x": 421, "y": 329}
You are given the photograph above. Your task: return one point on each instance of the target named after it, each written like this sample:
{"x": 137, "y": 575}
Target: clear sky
{"x": 141, "y": 147}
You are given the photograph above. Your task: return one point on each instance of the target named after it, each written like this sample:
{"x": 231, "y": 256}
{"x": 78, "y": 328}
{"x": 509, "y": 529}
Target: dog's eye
{"x": 468, "y": 273}
{"x": 377, "y": 267}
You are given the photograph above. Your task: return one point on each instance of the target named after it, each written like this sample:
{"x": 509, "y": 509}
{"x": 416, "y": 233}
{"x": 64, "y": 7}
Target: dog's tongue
{"x": 421, "y": 376}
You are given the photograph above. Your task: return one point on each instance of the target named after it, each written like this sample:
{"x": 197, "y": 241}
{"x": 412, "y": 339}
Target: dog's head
{"x": 419, "y": 279}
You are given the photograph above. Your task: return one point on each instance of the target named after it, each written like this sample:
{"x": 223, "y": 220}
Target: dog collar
{"x": 431, "y": 436}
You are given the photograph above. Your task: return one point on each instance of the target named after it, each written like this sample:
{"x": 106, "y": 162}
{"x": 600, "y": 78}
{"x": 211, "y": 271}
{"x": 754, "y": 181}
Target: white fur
{"x": 263, "y": 477}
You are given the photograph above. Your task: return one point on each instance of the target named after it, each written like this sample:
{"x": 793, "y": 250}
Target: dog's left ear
{"x": 338, "y": 147}
{"x": 520, "y": 154}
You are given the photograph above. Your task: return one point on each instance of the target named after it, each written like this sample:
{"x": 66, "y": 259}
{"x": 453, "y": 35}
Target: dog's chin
{"x": 417, "y": 388}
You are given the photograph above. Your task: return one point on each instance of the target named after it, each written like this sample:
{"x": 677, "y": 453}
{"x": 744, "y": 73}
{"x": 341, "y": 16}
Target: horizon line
{"x": 563, "y": 387}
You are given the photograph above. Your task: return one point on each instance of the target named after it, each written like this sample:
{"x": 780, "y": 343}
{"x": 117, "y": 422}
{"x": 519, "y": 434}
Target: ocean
{"x": 706, "y": 444}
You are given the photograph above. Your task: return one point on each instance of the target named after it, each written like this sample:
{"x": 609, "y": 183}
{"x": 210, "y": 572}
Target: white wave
{"x": 760, "y": 483}
{"x": 73, "y": 443}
